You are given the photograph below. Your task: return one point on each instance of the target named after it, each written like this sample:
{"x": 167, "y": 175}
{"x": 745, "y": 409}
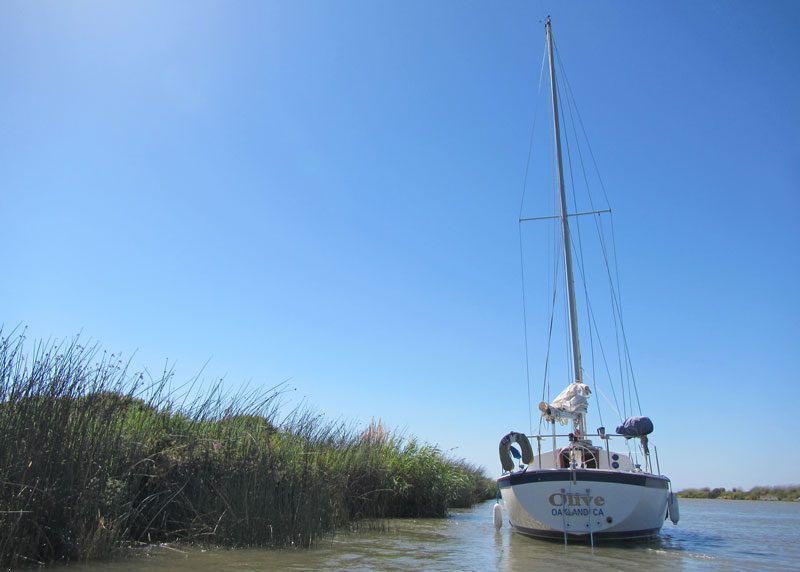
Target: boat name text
{"x": 575, "y": 499}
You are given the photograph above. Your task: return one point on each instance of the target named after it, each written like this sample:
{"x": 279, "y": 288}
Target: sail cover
{"x": 636, "y": 427}
{"x": 568, "y": 404}
{"x": 574, "y": 399}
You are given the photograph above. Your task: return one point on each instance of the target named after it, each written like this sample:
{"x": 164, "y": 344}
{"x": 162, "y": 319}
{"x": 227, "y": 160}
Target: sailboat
{"x": 580, "y": 489}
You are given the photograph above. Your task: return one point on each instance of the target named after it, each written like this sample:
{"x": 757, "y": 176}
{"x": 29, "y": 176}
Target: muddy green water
{"x": 712, "y": 535}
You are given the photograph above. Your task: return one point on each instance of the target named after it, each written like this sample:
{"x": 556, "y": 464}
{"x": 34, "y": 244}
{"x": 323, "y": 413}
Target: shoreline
{"x": 94, "y": 458}
{"x": 740, "y": 500}
{"x": 780, "y": 493}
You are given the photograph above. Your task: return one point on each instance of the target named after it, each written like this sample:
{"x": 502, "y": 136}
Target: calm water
{"x": 712, "y": 535}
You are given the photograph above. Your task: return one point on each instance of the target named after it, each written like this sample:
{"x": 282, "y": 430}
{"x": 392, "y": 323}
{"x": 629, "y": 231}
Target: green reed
{"x": 94, "y": 458}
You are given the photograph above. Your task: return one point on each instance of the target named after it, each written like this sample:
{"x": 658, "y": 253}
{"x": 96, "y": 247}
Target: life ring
{"x": 505, "y": 449}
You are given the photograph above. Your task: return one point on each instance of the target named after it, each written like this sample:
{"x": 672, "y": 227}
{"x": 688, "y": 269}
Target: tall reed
{"x": 94, "y": 457}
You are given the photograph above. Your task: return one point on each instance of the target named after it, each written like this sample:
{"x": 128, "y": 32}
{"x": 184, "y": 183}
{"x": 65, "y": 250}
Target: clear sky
{"x": 328, "y": 192}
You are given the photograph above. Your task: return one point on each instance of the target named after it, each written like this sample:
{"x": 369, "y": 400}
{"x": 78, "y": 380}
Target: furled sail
{"x": 568, "y": 404}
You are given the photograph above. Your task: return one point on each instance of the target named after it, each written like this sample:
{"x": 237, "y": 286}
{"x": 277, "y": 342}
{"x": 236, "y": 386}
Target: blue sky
{"x": 328, "y": 192}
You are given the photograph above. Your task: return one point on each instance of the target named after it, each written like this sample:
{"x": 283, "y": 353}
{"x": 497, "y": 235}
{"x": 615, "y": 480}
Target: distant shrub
{"x": 781, "y": 493}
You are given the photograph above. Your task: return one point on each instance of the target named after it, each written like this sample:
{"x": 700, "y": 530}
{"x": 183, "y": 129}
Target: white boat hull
{"x": 585, "y": 504}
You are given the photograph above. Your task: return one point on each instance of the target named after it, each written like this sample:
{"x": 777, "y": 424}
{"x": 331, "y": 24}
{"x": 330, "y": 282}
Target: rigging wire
{"x": 626, "y": 374}
{"x": 557, "y": 260}
{"x": 610, "y": 404}
{"x": 575, "y": 207}
{"x": 605, "y": 362}
{"x": 581, "y": 263}
{"x": 533, "y": 128}
{"x": 617, "y": 292}
{"x": 525, "y": 329}
{"x": 521, "y": 255}
{"x": 581, "y": 258}
{"x": 546, "y": 384}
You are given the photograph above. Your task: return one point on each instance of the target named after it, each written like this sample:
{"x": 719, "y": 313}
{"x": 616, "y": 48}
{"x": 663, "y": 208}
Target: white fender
{"x": 672, "y": 508}
{"x": 497, "y": 516}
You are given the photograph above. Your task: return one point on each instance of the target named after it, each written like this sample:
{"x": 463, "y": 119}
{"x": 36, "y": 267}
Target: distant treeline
{"x": 94, "y": 459}
{"x": 784, "y": 493}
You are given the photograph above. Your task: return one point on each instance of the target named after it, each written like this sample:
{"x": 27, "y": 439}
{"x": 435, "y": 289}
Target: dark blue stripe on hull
{"x": 584, "y": 538}
{"x": 583, "y": 475}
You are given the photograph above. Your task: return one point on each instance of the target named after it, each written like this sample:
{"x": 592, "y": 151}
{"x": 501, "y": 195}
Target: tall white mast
{"x": 573, "y": 310}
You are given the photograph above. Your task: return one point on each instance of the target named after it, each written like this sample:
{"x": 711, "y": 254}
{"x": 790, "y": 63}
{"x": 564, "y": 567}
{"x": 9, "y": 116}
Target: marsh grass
{"x": 94, "y": 458}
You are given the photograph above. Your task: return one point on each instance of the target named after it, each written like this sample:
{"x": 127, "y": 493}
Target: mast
{"x": 573, "y": 310}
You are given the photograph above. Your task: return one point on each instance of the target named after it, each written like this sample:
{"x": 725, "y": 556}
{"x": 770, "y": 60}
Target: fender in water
{"x": 505, "y": 448}
{"x": 672, "y": 508}
{"x": 497, "y": 516}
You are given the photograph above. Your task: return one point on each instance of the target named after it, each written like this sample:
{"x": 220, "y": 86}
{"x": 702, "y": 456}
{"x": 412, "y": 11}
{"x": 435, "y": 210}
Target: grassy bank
{"x": 94, "y": 458}
{"x": 785, "y": 493}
